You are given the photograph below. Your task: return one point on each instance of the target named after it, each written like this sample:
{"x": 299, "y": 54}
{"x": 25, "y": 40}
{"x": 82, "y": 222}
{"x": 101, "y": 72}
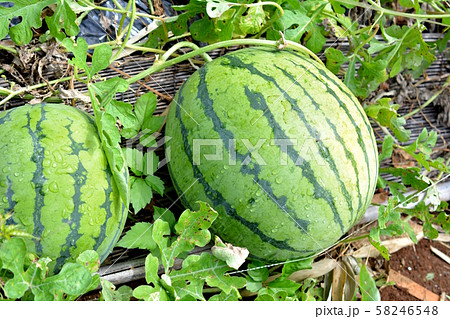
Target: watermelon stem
{"x": 200, "y": 51}
{"x": 187, "y": 44}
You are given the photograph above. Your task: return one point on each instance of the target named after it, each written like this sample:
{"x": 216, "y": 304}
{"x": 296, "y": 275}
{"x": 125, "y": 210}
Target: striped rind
{"x": 277, "y": 211}
{"x": 55, "y": 179}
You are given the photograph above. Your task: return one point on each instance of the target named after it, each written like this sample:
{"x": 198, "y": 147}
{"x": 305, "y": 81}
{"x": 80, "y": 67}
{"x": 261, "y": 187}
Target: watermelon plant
{"x": 57, "y": 184}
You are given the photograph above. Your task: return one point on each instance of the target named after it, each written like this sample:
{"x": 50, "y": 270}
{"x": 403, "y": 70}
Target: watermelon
{"x": 278, "y": 145}
{"x": 56, "y": 182}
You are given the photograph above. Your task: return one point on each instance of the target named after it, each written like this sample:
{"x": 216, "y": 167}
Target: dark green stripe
{"x": 348, "y": 154}
{"x": 216, "y": 197}
{"x": 5, "y": 118}
{"x": 11, "y": 203}
{"x": 308, "y": 172}
{"x": 79, "y": 177}
{"x": 344, "y": 107}
{"x": 226, "y": 136}
{"x": 38, "y": 177}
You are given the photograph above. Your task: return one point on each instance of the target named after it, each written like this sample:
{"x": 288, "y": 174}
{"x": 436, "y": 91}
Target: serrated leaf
{"x": 141, "y": 193}
{"x": 156, "y": 183}
{"x": 139, "y": 236}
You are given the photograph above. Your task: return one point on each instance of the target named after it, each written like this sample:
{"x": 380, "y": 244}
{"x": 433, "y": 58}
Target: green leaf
{"x": 149, "y": 293}
{"x": 369, "y": 291}
{"x": 90, "y": 260}
{"x": 335, "y": 58}
{"x": 141, "y": 193}
{"x": 151, "y": 270}
{"x": 234, "y": 295}
{"x": 316, "y": 40}
{"x": 141, "y": 163}
{"x": 30, "y": 11}
{"x": 124, "y": 112}
{"x": 156, "y": 183}
{"x": 62, "y": 18}
{"x": 79, "y": 50}
{"x": 388, "y": 147}
{"x": 406, "y": 3}
{"x": 139, "y": 236}
{"x": 253, "y": 285}
{"x": 258, "y": 271}
{"x": 144, "y": 108}
{"x": 290, "y": 268}
{"x": 207, "y": 268}
{"x": 165, "y": 215}
{"x": 192, "y": 230}
{"x": 73, "y": 279}
{"x": 110, "y": 293}
{"x": 386, "y": 115}
{"x": 100, "y": 59}
{"x": 253, "y": 21}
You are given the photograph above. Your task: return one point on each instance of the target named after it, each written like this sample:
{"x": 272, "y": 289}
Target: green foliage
{"x": 369, "y": 291}
{"x": 187, "y": 283}
{"x": 26, "y": 275}
{"x": 31, "y": 14}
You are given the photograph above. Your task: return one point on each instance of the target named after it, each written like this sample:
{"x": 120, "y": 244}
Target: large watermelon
{"x": 55, "y": 179}
{"x": 278, "y": 145}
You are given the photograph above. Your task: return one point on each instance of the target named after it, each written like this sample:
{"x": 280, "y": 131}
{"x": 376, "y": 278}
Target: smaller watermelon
{"x": 55, "y": 180}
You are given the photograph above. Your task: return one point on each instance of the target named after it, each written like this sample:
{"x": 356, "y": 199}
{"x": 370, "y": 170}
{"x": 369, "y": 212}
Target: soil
{"x": 416, "y": 262}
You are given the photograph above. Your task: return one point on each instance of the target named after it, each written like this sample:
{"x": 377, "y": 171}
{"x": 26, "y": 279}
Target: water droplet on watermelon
{"x": 278, "y": 180}
{"x": 16, "y": 174}
{"x": 54, "y": 165}
{"x": 259, "y": 192}
{"x": 5, "y": 169}
{"x": 58, "y": 157}
{"x": 53, "y": 187}
{"x": 72, "y": 242}
{"x": 5, "y": 199}
{"x": 46, "y": 163}
{"x": 66, "y": 149}
{"x": 46, "y": 153}
{"x": 91, "y": 221}
{"x": 21, "y": 180}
